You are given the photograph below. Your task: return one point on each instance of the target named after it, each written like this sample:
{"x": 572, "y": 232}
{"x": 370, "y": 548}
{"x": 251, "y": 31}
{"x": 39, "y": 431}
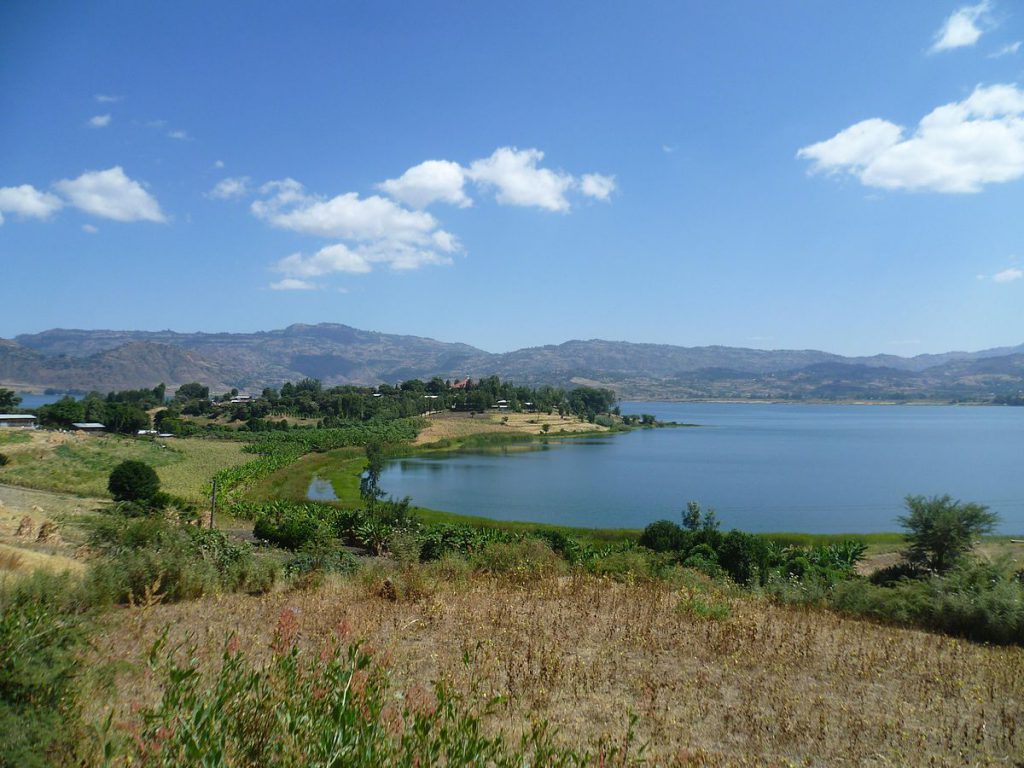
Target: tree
{"x": 940, "y": 531}
{"x": 192, "y": 391}
{"x": 134, "y": 481}
{"x": 8, "y": 400}
{"x": 369, "y": 484}
{"x": 125, "y": 419}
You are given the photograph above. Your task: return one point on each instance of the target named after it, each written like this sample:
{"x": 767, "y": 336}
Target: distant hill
{"x": 339, "y": 354}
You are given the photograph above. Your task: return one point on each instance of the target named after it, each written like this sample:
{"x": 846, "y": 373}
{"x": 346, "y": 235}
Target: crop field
{"x": 712, "y": 678}
{"x": 81, "y": 464}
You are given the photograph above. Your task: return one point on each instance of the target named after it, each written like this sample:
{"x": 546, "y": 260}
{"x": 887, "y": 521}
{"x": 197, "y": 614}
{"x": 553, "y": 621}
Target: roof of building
{"x": 17, "y": 416}
{"x": 88, "y": 425}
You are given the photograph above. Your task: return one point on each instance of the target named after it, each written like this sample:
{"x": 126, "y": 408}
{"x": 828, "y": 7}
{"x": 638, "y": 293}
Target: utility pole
{"x": 213, "y": 502}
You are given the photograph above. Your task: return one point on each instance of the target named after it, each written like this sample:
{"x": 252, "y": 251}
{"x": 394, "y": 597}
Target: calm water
{"x": 29, "y": 400}
{"x": 816, "y": 468}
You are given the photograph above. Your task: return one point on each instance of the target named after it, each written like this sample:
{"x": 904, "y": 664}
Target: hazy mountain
{"x": 339, "y": 354}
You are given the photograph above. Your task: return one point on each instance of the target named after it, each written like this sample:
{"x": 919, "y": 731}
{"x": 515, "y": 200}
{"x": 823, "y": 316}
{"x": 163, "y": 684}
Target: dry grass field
{"x": 763, "y": 685}
{"x": 458, "y": 425}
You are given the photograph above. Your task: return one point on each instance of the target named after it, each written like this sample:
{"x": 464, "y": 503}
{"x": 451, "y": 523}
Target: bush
{"x": 329, "y": 560}
{"x": 4, "y": 460}
{"x": 940, "y": 531}
{"x": 662, "y": 536}
{"x": 982, "y": 602}
{"x": 133, "y": 481}
{"x": 296, "y": 526}
{"x": 41, "y": 630}
{"x": 525, "y": 560}
{"x": 744, "y": 557}
{"x": 625, "y": 565}
{"x": 154, "y": 556}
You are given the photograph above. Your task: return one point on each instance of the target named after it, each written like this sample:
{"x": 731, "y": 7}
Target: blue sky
{"x": 842, "y": 176}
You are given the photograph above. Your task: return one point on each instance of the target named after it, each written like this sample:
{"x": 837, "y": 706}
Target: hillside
{"x": 339, "y": 354}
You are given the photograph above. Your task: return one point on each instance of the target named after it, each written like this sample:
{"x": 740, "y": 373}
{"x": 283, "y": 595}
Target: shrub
{"x": 625, "y": 565}
{"x": 133, "y": 481}
{"x": 4, "y": 460}
{"x": 982, "y": 602}
{"x": 296, "y": 526}
{"x": 940, "y": 531}
{"x": 662, "y": 536}
{"x": 327, "y": 560}
{"x": 744, "y": 557}
{"x": 525, "y": 560}
{"x": 154, "y": 556}
{"x": 41, "y": 630}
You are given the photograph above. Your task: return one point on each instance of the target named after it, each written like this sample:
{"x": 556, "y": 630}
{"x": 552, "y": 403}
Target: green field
{"x": 81, "y": 465}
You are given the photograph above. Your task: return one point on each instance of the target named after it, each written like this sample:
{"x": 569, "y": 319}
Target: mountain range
{"x": 338, "y": 354}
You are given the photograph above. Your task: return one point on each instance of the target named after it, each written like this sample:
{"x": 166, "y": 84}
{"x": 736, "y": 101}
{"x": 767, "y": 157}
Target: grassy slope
{"x": 81, "y": 464}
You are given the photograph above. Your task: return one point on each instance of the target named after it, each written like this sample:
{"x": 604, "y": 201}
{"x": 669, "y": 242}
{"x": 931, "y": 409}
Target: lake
{"x": 32, "y": 400}
{"x": 763, "y": 467}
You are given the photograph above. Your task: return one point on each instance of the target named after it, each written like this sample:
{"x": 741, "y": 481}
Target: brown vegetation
{"x": 748, "y": 683}
{"x": 459, "y": 425}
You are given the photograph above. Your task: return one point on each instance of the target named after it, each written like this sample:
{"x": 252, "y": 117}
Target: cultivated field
{"x": 759, "y": 685}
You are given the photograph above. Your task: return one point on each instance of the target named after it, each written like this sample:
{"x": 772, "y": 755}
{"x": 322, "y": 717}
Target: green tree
{"x": 192, "y": 391}
{"x": 134, "y": 481}
{"x": 940, "y": 531}
{"x": 8, "y": 400}
{"x": 62, "y": 413}
{"x": 369, "y": 484}
{"x": 125, "y": 418}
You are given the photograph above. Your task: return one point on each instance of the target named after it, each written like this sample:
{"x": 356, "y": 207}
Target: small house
{"x": 17, "y": 420}
{"x": 88, "y": 426}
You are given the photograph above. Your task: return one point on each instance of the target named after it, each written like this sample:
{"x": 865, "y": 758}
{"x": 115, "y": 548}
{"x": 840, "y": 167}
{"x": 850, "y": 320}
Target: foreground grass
{"x": 81, "y": 464}
{"x": 747, "y": 683}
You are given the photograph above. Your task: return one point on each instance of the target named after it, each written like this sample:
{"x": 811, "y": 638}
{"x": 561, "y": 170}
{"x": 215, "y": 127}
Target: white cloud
{"x": 92, "y": 230}
{"x": 102, "y": 98}
{"x": 342, "y": 259}
{"x": 110, "y": 194}
{"x": 346, "y": 216}
{"x": 99, "y": 121}
{"x": 381, "y": 231}
{"x": 597, "y": 186}
{"x": 178, "y": 135}
{"x": 962, "y": 27}
{"x": 332, "y": 258}
{"x": 430, "y": 181}
{"x": 956, "y": 148}
{"x": 518, "y": 180}
{"x": 1009, "y": 49}
{"x": 293, "y": 284}
{"x": 218, "y": 164}
{"x": 28, "y": 202}
{"x": 1008, "y": 275}
{"x": 376, "y": 231}
{"x": 226, "y": 189}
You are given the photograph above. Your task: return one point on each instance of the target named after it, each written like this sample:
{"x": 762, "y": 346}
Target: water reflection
{"x": 320, "y": 490}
